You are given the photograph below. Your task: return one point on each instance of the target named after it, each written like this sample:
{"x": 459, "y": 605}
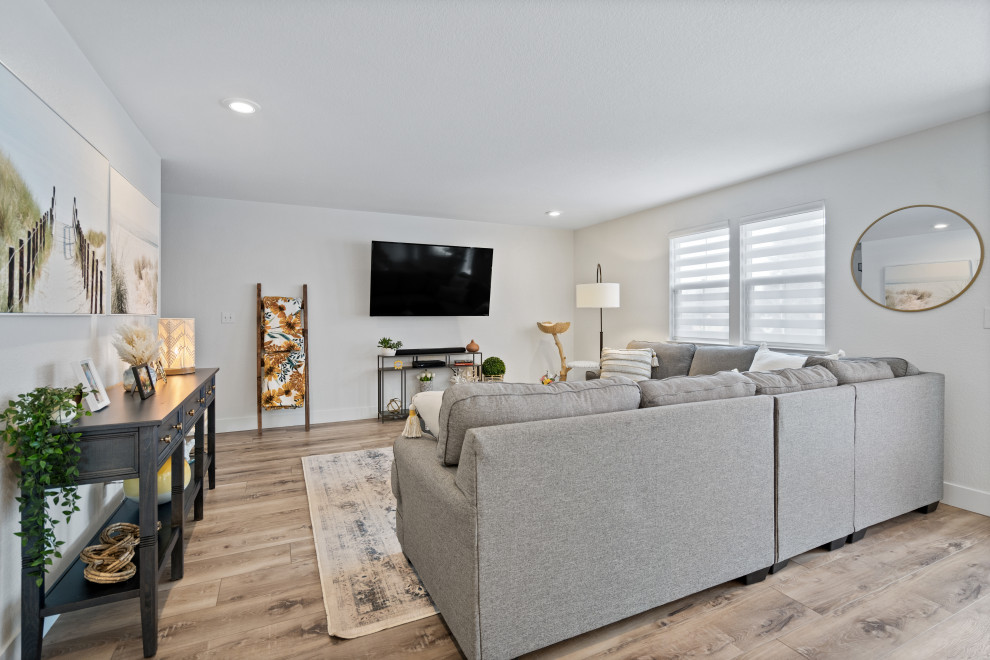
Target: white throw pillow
{"x": 427, "y": 405}
{"x": 633, "y": 363}
{"x": 767, "y": 360}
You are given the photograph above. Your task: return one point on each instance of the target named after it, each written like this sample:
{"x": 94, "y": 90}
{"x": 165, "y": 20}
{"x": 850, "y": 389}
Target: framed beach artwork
{"x": 135, "y": 230}
{"x": 54, "y": 206}
{"x": 911, "y": 287}
{"x": 96, "y": 397}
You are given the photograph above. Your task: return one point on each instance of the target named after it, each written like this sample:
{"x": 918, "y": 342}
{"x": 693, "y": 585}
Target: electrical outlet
{"x": 226, "y": 317}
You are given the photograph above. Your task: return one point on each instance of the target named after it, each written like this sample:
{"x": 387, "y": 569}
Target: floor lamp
{"x": 600, "y": 295}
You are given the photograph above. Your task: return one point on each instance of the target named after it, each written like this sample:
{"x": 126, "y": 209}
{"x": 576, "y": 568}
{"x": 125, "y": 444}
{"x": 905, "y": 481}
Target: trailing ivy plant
{"x": 46, "y": 453}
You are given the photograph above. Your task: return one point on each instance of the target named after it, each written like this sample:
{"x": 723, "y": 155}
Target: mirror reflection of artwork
{"x": 917, "y": 258}
{"x": 920, "y": 286}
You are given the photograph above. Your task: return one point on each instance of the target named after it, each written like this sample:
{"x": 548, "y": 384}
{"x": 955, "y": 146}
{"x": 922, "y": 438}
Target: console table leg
{"x": 178, "y": 510}
{"x": 198, "y": 505}
{"x": 31, "y": 619}
{"x": 211, "y": 437}
{"x": 148, "y": 546}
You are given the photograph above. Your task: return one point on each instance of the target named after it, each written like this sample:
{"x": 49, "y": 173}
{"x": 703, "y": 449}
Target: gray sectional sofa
{"x": 542, "y": 512}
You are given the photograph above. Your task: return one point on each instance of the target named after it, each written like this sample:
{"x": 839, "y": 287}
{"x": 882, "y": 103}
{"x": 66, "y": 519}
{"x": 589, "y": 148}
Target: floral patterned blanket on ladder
{"x": 283, "y": 380}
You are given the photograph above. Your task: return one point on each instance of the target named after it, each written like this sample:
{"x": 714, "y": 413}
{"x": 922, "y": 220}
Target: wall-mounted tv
{"x": 415, "y": 279}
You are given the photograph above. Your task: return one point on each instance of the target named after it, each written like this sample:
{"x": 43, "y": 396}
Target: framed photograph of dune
{"x": 54, "y": 202}
{"x": 135, "y": 230}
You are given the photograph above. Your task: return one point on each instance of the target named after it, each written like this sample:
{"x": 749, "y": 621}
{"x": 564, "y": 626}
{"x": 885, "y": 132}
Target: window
{"x": 755, "y": 279}
{"x": 699, "y": 275}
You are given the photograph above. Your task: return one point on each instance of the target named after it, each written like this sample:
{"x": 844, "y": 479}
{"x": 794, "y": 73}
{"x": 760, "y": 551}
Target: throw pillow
{"x": 427, "y": 405}
{"x": 899, "y": 366}
{"x": 634, "y": 363}
{"x": 713, "y": 359}
{"x": 783, "y": 381}
{"x": 689, "y": 389}
{"x": 673, "y": 358}
{"x": 767, "y": 360}
{"x": 855, "y": 371}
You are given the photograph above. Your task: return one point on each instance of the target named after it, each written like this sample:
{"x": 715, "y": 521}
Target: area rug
{"x": 368, "y": 585}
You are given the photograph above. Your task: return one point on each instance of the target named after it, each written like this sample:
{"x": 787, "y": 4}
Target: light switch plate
{"x": 226, "y": 317}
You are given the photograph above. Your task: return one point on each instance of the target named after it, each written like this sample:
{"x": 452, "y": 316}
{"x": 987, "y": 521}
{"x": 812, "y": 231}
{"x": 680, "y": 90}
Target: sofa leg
{"x": 928, "y": 508}
{"x": 778, "y": 566}
{"x": 856, "y": 536}
{"x": 836, "y": 544}
{"x": 755, "y": 576}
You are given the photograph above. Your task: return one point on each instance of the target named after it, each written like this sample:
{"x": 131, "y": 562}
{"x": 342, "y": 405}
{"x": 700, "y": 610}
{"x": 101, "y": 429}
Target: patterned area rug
{"x": 368, "y": 585}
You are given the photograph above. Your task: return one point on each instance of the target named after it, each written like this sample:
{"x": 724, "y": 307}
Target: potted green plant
{"x": 493, "y": 368}
{"x": 425, "y": 381}
{"x": 46, "y": 454}
{"x": 387, "y": 346}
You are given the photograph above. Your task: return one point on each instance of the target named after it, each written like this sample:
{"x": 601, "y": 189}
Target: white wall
{"x": 37, "y": 350}
{"x": 947, "y": 166}
{"x": 215, "y": 251}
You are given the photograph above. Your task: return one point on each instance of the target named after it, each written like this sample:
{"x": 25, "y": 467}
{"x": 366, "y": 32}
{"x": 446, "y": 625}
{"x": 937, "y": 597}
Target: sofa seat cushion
{"x": 854, "y": 371}
{"x": 784, "y": 381}
{"x": 712, "y": 359}
{"x": 689, "y": 389}
{"x": 472, "y": 405}
{"x": 673, "y": 359}
{"x": 632, "y": 363}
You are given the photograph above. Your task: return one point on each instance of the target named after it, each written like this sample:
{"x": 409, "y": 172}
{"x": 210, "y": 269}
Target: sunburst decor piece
{"x": 178, "y": 345}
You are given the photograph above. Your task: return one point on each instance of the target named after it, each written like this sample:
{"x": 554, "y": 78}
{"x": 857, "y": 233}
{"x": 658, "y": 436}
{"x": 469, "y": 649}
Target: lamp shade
{"x": 600, "y": 294}
{"x": 178, "y": 345}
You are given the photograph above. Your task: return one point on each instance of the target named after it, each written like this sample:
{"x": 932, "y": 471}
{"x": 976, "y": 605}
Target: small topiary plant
{"x": 493, "y": 366}
{"x": 386, "y": 342}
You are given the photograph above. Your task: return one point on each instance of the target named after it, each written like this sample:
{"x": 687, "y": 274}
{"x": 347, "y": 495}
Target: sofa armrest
{"x": 584, "y": 521}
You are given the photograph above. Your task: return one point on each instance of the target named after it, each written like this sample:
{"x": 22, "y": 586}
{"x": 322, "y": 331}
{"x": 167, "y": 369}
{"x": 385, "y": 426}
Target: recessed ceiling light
{"x": 242, "y": 106}
{"x": 553, "y": 214}
{"x": 940, "y": 225}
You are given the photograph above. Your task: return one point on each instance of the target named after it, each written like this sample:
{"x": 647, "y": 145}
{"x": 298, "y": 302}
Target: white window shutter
{"x": 783, "y": 279}
{"x": 699, "y": 276}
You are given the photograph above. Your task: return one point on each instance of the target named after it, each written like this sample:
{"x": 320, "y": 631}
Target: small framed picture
{"x": 96, "y": 396}
{"x": 142, "y": 380}
{"x": 160, "y": 370}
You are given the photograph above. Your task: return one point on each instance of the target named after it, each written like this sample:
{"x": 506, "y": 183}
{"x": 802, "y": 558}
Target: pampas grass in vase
{"x": 136, "y": 345}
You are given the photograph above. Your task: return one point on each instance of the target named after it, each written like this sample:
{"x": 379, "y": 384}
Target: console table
{"x": 127, "y": 439}
{"x": 407, "y": 356}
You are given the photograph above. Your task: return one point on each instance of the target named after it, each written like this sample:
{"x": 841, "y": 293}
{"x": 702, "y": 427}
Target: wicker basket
{"x": 495, "y": 379}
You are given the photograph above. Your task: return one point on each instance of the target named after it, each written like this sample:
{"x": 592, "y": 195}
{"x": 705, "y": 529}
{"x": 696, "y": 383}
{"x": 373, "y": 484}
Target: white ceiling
{"x": 499, "y": 111}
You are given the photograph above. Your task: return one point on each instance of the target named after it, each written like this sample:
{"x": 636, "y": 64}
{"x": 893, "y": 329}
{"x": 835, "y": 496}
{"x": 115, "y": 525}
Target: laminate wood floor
{"x": 916, "y": 587}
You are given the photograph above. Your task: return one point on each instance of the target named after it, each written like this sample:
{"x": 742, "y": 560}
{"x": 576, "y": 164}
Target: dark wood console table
{"x": 127, "y": 439}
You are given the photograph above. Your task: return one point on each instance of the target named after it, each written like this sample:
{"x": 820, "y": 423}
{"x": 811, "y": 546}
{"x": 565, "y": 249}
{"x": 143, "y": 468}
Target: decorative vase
{"x": 425, "y": 385}
{"x": 387, "y": 352}
{"x": 131, "y": 486}
{"x": 472, "y": 347}
{"x": 128, "y": 381}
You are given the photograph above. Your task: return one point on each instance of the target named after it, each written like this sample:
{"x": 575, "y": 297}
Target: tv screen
{"x": 414, "y": 279}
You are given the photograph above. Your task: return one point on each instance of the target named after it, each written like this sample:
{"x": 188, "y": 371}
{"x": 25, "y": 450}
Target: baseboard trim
{"x": 283, "y": 418}
{"x": 971, "y": 499}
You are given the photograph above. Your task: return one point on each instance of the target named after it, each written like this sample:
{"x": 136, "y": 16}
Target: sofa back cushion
{"x": 784, "y": 381}
{"x": 632, "y": 363}
{"x": 712, "y": 359}
{"x": 673, "y": 359}
{"x": 854, "y": 371}
{"x": 689, "y": 389}
{"x": 472, "y": 405}
{"x": 898, "y": 366}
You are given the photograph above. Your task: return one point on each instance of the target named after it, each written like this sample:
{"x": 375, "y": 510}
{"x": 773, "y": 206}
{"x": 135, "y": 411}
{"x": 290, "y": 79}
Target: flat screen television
{"x": 415, "y": 279}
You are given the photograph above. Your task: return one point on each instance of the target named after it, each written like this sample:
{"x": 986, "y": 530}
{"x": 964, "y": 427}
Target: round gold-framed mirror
{"x": 917, "y": 258}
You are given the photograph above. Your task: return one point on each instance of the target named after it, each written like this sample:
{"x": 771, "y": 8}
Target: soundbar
{"x": 430, "y": 351}
{"x": 429, "y": 363}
